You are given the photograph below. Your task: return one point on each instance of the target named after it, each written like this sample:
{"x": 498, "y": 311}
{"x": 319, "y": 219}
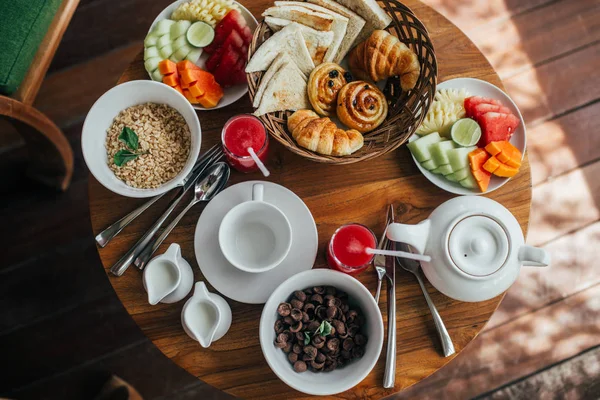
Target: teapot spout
{"x": 533, "y": 256}
{"x": 413, "y": 235}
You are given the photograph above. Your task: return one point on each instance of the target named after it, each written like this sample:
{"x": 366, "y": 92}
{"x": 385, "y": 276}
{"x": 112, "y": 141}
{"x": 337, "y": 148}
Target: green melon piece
{"x": 150, "y": 40}
{"x": 437, "y": 171}
{"x": 157, "y": 76}
{"x": 420, "y": 147}
{"x": 469, "y": 182}
{"x": 445, "y": 169}
{"x": 151, "y": 64}
{"x": 166, "y": 51}
{"x": 438, "y": 151}
{"x": 163, "y": 41}
{"x": 458, "y": 158}
{"x": 194, "y": 55}
{"x": 150, "y": 52}
{"x": 163, "y": 27}
{"x": 462, "y": 174}
{"x": 428, "y": 165}
{"x": 179, "y": 43}
{"x": 451, "y": 178}
{"x": 181, "y": 53}
{"x": 179, "y": 28}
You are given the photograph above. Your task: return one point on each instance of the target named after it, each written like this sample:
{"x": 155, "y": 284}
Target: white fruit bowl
{"x": 230, "y": 94}
{"x": 477, "y": 87}
{"x": 104, "y": 111}
{"x": 338, "y": 380}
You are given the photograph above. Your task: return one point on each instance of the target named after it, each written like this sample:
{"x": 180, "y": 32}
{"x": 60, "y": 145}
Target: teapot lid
{"x": 478, "y": 245}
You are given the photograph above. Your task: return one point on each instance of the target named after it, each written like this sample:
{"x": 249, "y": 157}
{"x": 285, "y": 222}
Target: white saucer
{"x": 477, "y": 87}
{"x": 247, "y": 287}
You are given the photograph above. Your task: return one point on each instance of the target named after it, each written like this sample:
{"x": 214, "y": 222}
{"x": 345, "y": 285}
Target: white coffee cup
{"x": 255, "y": 236}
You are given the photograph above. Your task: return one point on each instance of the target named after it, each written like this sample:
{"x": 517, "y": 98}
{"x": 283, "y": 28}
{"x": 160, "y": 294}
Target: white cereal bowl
{"x": 338, "y": 380}
{"x": 104, "y": 111}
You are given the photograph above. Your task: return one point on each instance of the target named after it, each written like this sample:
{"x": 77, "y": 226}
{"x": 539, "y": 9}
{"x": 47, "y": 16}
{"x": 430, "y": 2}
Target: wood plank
{"x": 574, "y": 268}
{"x": 518, "y": 348}
{"x": 558, "y": 86}
{"x": 576, "y": 378}
{"x": 525, "y": 40}
{"x": 67, "y": 95}
{"x": 565, "y": 143}
{"x": 565, "y": 204}
{"x": 470, "y": 14}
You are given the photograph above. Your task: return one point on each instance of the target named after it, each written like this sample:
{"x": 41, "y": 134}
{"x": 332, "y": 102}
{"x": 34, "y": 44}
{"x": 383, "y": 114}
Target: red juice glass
{"x": 347, "y": 250}
{"x": 240, "y": 133}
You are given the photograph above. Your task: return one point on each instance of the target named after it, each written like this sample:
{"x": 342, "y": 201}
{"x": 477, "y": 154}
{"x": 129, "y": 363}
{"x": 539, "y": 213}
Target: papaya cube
{"x": 178, "y": 88}
{"x": 491, "y": 164}
{"x": 483, "y": 178}
{"x": 171, "y": 79}
{"x": 494, "y": 148}
{"x": 189, "y": 96}
{"x": 167, "y": 67}
{"x": 196, "y": 90}
{"x": 505, "y": 171}
{"x": 477, "y": 158}
{"x": 186, "y": 64}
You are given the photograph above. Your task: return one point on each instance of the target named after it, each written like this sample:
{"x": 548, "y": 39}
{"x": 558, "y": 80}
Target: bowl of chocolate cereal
{"x": 321, "y": 332}
{"x": 141, "y": 139}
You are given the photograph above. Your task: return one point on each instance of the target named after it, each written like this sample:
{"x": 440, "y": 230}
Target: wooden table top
{"x": 335, "y": 195}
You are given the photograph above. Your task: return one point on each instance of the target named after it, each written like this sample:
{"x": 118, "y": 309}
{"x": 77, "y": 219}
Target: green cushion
{"x": 23, "y": 25}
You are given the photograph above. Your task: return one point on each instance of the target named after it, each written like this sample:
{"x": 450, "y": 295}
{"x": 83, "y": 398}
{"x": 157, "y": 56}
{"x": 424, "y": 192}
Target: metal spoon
{"x": 414, "y": 267}
{"x": 206, "y": 189}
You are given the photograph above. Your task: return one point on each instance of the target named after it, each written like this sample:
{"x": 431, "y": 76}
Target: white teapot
{"x": 476, "y": 246}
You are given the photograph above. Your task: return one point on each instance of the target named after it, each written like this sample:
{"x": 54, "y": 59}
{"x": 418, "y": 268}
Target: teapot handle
{"x": 533, "y": 256}
{"x": 413, "y": 235}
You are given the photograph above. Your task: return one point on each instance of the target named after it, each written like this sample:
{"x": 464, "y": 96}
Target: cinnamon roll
{"x": 324, "y": 83}
{"x": 361, "y": 106}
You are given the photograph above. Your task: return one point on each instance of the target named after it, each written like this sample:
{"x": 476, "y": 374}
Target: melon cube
{"x": 166, "y": 51}
{"x": 445, "y": 169}
{"x": 150, "y": 52}
{"x": 163, "y": 27}
{"x": 469, "y": 182}
{"x": 451, "y": 178}
{"x": 420, "y": 147}
{"x": 150, "y": 40}
{"x": 179, "y": 28}
{"x": 438, "y": 151}
{"x": 163, "y": 41}
{"x": 462, "y": 174}
{"x": 459, "y": 158}
{"x": 428, "y": 165}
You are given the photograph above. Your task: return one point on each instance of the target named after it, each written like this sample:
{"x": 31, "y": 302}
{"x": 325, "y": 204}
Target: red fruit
{"x": 246, "y": 35}
{"x": 227, "y": 66}
{"x": 233, "y": 40}
{"x": 233, "y": 21}
{"x": 483, "y": 108}
{"x": 471, "y": 102}
{"x": 496, "y": 127}
{"x": 213, "y": 61}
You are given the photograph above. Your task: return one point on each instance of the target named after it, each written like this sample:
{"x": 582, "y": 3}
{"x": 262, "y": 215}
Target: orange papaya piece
{"x": 189, "y": 76}
{"x": 178, "y": 88}
{"x": 483, "y": 178}
{"x": 493, "y": 148}
{"x": 189, "y": 96}
{"x": 477, "y": 158}
{"x": 505, "y": 152}
{"x": 491, "y": 164}
{"x": 186, "y": 64}
{"x": 167, "y": 67}
{"x": 196, "y": 90}
{"x": 505, "y": 171}
{"x": 211, "y": 99}
{"x": 171, "y": 79}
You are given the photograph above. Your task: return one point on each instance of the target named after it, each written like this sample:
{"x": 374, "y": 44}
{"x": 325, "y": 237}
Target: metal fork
{"x": 379, "y": 260}
{"x": 113, "y": 230}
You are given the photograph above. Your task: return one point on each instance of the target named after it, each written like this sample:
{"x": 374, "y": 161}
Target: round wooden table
{"x": 335, "y": 195}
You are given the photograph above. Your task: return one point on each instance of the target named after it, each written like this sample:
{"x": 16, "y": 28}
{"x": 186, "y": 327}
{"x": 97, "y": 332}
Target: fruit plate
{"x": 477, "y": 87}
{"x": 230, "y": 94}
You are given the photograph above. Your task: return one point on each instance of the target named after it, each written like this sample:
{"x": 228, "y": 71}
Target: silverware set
{"x": 208, "y": 178}
{"x": 385, "y": 267}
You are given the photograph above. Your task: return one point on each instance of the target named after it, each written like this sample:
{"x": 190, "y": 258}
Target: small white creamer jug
{"x": 206, "y": 317}
{"x": 476, "y": 246}
{"x": 168, "y": 278}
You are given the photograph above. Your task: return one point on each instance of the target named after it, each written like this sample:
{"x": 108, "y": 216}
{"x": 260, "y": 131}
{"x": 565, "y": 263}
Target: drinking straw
{"x": 398, "y": 253}
{"x": 259, "y": 163}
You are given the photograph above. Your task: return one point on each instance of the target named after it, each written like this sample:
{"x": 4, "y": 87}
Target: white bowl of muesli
{"x": 141, "y": 139}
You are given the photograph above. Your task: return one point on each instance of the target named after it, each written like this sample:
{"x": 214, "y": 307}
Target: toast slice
{"x": 338, "y": 27}
{"x": 278, "y": 62}
{"x": 301, "y": 14}
{"x": 285, "y": 91}
{"x": 288, "y": 40}
{"x": 355, "y": 25}
{"x": 317, "y": 42}
{"x": 373, "y": 14}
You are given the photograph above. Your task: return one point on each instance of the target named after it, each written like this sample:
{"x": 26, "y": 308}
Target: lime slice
{"x": 200, "y": 34}
{"x": 466, "y": 132}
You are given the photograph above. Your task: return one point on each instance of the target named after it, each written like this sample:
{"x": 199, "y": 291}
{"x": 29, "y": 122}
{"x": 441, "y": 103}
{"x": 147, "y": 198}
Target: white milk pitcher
{"x": 206, "y": 317}
{"x": 168, "y": 278}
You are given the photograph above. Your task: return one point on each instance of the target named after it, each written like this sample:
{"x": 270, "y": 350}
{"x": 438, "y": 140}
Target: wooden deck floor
{"x": 62, "y": 329}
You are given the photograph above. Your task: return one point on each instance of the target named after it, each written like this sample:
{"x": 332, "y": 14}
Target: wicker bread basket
{"x": 406, "y": 109}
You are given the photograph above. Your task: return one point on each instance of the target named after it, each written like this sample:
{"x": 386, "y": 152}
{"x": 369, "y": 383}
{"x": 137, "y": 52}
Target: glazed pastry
{"x": 321, "y": 135}
{"x": 361, "y": 106}
{"x": 383, "y": 55}
{"x": 324, "y": 83}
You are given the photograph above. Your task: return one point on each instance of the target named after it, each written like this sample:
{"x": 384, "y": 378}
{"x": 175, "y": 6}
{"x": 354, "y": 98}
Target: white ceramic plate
{"x": 338, "y": 380}
{"x": 247, "y": 287}
{"x": 231, "y": 94}
{"x": 477, "y": 87}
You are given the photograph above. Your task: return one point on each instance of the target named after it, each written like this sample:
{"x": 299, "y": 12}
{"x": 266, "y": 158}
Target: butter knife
{"x": 389, "y": 376}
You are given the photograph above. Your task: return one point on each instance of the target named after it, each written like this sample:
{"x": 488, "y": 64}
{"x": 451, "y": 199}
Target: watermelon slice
{"x": 471, "y": 102}
{"x": 226, "y": 66}
{"x": 483, "y": 108}
{"x": 233, "y": 21}
{"x": 234, "y": 41}
{"x": 496, "y": 127}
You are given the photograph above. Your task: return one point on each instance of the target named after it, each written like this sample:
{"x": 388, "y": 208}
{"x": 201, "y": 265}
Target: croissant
{"x": 361, "y": 106}
{"x": 321, "y": 135}
{"x": 383, "y": 55}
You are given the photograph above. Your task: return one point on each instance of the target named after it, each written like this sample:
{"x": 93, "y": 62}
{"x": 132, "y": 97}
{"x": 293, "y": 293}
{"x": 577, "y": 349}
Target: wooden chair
{"x": 51, "y": 157}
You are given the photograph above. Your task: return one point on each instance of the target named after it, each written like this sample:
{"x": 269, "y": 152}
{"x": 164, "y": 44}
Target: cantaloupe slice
{"x": 491, "y": 164}
{"x": 189, "y": 96}
{"x": 477, "y": 159}
{"x": 167, "y": 67}
{"x": 171, "y": 80}
{"x": 505, "y": 152}
{"x": 506, "y": 171}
